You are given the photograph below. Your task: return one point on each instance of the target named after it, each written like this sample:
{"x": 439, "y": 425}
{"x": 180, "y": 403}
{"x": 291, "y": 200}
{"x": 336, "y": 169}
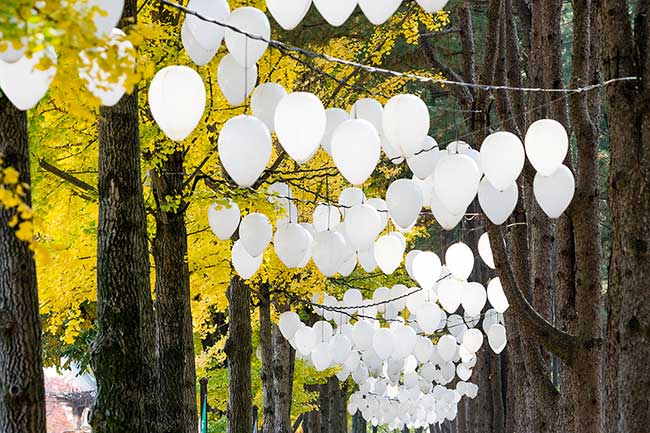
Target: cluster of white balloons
{"x": 290, "y": 13}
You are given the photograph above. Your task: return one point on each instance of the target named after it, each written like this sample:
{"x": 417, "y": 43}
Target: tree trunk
{"x": 22, "y": 394}
{"x": 238, "y": 350}
{"x": 283, "y": 359}
{"x": 266, "y": 347}
{"x": 359, "y": 424}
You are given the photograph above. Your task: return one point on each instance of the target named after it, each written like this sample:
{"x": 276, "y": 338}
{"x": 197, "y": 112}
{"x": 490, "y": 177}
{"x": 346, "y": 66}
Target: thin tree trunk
{"x": 266, "y": 346}
{"x": 283, "y": 359}
{"x": 359, "y": 424}
{"x": 22, "y": 394}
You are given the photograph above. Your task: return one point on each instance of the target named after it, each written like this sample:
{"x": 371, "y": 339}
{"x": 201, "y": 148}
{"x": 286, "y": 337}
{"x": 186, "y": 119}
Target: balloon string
{"x": 246, "y": 87}
{"x": 329, "y": 206}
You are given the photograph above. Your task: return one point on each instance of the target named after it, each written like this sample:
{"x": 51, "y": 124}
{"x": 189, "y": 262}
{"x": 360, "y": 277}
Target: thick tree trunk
{"x": 239, "y": 350}
{"x": 266, "y": 347}
{"x": 176, "y": 372}
{"x": 22, "y": 394}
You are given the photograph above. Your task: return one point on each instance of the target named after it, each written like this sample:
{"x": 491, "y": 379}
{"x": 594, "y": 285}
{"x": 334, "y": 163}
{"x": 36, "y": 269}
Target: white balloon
{"x": 335, "y": 117}
{"x": 326, "y": 217}
{"x": 200, "y": 55}
{"x": 450, "y": 292}
{"x": 497, "y": 205}
{"x": 401, "y": 238}
{"x": 378, "y": 11}
{"x": 300, "y": 122}
{"x": 424, "y": 162}
{"x": 382, "y": 208}
{"x": 426, "y": 186}
{"x": 264, "y": 102}
{"x": 362, "y": 335}
{"x": 408, "y": 262}
{"x": 383, "y": 342}
{"x": 388, "y": 254}
{"x": 177, "y": 100}
{"x": 393, "y": 154}
{"x": 250, "y": 20}
{"x": 323, "y": 330}
{"x": 245, "y": 264}
{"x": 355, "y": 150}
{"x": 288, "y": 13}
{"x": 360, "y": 375}
{"x": 352, "y": 361}
{"x": 405, "y": 338}
{"x": 362, "y": 225}
{"x": 447, "y": 347}
{"x": 367, "y": 259}
{"x": 554, "y": 193}
{"x": 423, "y": 349}
{"x": 205, "y": 33}
{"x": 349, "y": 262}
{"x": 245, "y": 148}
{"x": 456, "y": 326}
{"x": 13, "y": 50}
{"x": 406, "y": 122}
{"x": 463, "y": 372}
{"x": 456, "y": 182}
{"x": 289, "y": 324}
{"x": 502, "y": 159}
{"x": 485, "y": 250}
{"x": 224, "y": 220}
{"x": 306, "y": 339}
{"x": 336, "y": 12}
{"x": 446, "y": 219}
{"x": 497, "y": 338}
{"x": 428, "y": 317}
{"x": 321, "y": 357}
{"x": 326, "y": 252}
{"x": 547, "y": 145}
{"x": 432, "y": 5}
{"x": 369, "y": 109}
{"x": 255, "y": 232}
{"x": 235, "y": 82}
{"x": 404, "y": 200}
{"x": 23, "y": 82}
{"x": 340, "y": 346}
{"x": 351, "y": 197}
{"x": 472, "y": 340}
{"x": 458, "y": 147}
{"x": 106, "y": 16}
{"x": 474, "y": 298}
{"x": 426, "y": 269}
{"x": 291, "y": 243}
{"x": 460, "y": 260}
{"x": 497, "y": 297}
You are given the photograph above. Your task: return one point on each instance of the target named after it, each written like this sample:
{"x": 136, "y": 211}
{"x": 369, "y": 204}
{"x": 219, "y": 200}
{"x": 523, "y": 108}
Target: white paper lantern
{"x": 106, "y": 15}
{"x": 300, "y": 122}
{"x": 291, "y": 243}
{"x": 255, "y": 232}
{"x": 306, "y": 339}
{"x": 472, "y": 340}
{"x": 250, "y": 20}
{"x": 547, "y": 145}
{"x": 264, "y": 101}
{"x": 355, "y": 150}
{"x": 289, "y": 324}
{"x": 207, "y": 34}
{"x": 456, "y": 182}
{"x": 335, "y": 117}
{"x": 245, "y": 264}
{"x": 460, "y": 260}
{"x": 25, "y": 84}
{"x": 326, "y": 217}
{"x": 432, "y": 5}
{"x": 367, "y": 259}
{"x": 474, "y": 298}
{"x": 497, "y": 205}
{"x": 177, "y": 100}
{"x": 406, "y": 122}
{"x": 404, "y": 200}
{"x": 485, "y": 250}
{"x": 351, "y": 197}
{"x": 554, "y": 193}
{"x": 326, "y": 252}
{"x": 446, "y": 219}
{"x": 244, "y": 149}
{"x": 224, "y": 220}
{"x": 235, "y": 82}
{"x": 362, "y": 226}
{"x": 450, "y": 292}
{"x": 383, "y": 343}
{"x": 288, "y": 13}
{"x": 496, "y": 296}
{"x": 447, "y": 347}
{"x": 200, "y": 55}
{"x": 428, "y": 317}
{"x": 497, "y": 338}
{"x": 378, "y": 11}
{"x": 424, "y": 162}
{"x": 426, "y": 269}
{"x": 389, "y": 252}
{"x": 502, "y": 159}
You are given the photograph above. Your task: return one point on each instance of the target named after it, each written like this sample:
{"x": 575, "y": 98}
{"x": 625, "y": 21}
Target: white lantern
{"x": 335, "y": 117}
{"x": 245, "y": 264}
{"x": 291, "y": 243}
{"x": 497, "y": 338}
{"x": 383, "y": 343}
{"x": 265, "y": 100}
{"x": 473, "y": 340}
{"x": 388, "y": 253}
{"x": 355, "y": 150}
{"x": 426, "y": 269}
{"x": 235, "y": 82}
{"x": 408, "y": 262}
{"x": 200, "y": 55}
{"x": 474, "y": 298}
{"x": 406, "y": 121}
{"x": 362, "y": 226}
{"x": 450, "y": 292}
{"x": 177, "y": 100}
{"x": 23, "y": 82}
{"x": 288, "y": 13}
{"x": 326, "y": 252}
{"x": 428, "y": 317}
{"x": 351, "y": 197}
{"x": 207, "y": 34}
{"x": 460, "y": 260}
{"x": 447, "y": 347}
{"x": 456, "y": 182}
{"x": 106, "y": 15}
{"x": 255, "y": 232}
{"x": 424, "y": 162}
{"x": 300, "y": 122}
{"x": 378, "y": 11}
{"x": 404, "y": 200}
{"x": 224, "y": 220}
{"x": 367, "y": 259}
{"x": 502, "y": 159}
{"x": 432, "y": 6}
{"x": 289, "y": 324}
{"x": 485, "y": 250}
{"x": 244, "y": 149}
{"x": 446, "y": 219}
{"x": 336, "y": 12}
{"x": 326, "y": 217}
{"x": 496, "y": 296}
{"x": 547, "y": 145}
{"x": 554, "y": 193}
{"x": 250, "y": 20}
{"x": 497, "y": 205}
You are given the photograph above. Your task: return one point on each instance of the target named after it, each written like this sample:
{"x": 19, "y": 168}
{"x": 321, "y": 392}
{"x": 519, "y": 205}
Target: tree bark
{"x": 359, "y": 424}
{"x": 266, "y": 346}
{"x": 22, "y": 394}
{"x": 283, "y": 359}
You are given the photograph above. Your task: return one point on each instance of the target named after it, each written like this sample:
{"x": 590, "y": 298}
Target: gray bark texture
{"x": 266, "y": 348}
{"x": 283, "y": 361}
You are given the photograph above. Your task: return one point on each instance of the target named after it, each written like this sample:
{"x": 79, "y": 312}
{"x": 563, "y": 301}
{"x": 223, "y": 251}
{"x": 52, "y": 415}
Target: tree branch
{"x": 67, "y": 177}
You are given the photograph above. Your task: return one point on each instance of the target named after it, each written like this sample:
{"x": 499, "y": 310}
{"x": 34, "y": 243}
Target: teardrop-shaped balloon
{"x": 288, "y": 13}
{"x": 362, "y": 226}
{"x": 383, "y": 343}
{"x": 224, "y": 220}
{"x": 355, "y": 150}
{"x": 554, "y": 193}
{"x": 424, "y": 161}
{"x": 428, "y": 317}
{"x": 291, "y": 243}
{"x": 379, "y": 11}
{"x": 408, "y": 262}
{"x": 404, "y": 200}
{"x": 12, "y": 50}
{"x": 432, "y": 6}
{"x": 264, "y": 102}
{"x": 474, "y": 298}
{"x": 456, "y": 182}
{"x": 496, "y": 296}
{"x": 300, "y": 123}
{"x": 244, "y": 149}
{"x": 485, "y": 250}
{"x": 250, "y": 20}
{"x": 367, "y": 259}
{"x": 389, "y": 252}
{"x": 450, "y": 293}
{"x": 547, "y": 145}
{"x": 426, "y": 269}
{"x": 235, "y": 82}
{"x": 326, "y": 252}
{"x": 502, "y": 159}
{"x": 326, "y": 217}
{"x": 447, "y": 347}
{"x": 497, "y": 338}
{"x": 459, "y": 259}
{"x": 289, "y": 324}
{"x": 446, "y": 219}
{"x": 200, "y": 55}
{"x": 255, "y": 232}
{"x": 336, "y": 12}
{"x": 106, "y": 15}
{"x": 245, "y": 264}
{"x": 382, "y": 208}
{"x": 335, "y": 117}
{"x": 351, "y": 197}
{"x": 406, "y": 122}
{"x": 24, "y": 82}
{"x": 497, "y": 205}
{"x": 473, "y": 340}
{"x": 207, "y": 34}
